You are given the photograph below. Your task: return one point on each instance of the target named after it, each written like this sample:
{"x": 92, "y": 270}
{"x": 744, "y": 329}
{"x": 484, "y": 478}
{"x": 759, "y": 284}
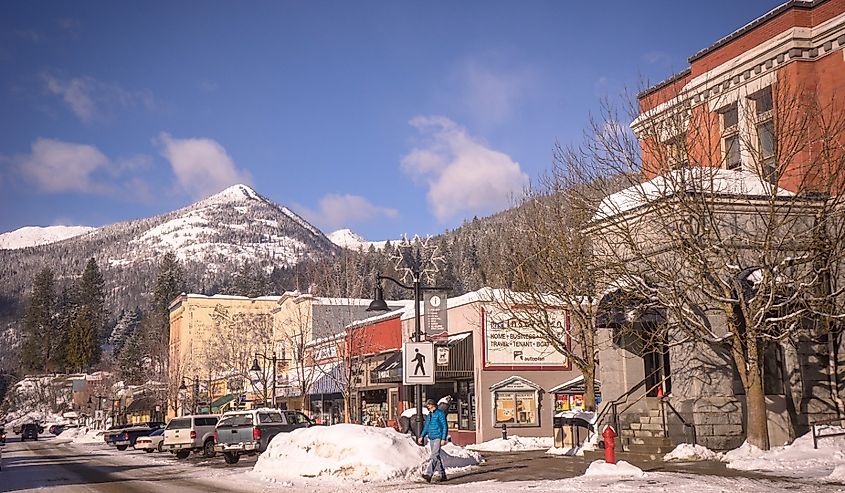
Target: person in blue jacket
{"x": 436, "y": 430}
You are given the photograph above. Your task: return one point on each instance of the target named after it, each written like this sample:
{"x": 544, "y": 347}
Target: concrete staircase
{"x": 642, "y": 441}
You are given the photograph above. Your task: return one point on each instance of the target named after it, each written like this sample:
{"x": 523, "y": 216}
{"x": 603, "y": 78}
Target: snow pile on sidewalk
{"x": 687, "y": 452}
{"x": 88, "y": 436}
{"x": 514, "y": 443}
{"x": 70, "y": 434}
{"x": 622, "y": 469}
{"x": 352, "y": 452}
{"x": 15, "y": 419}
{"x": 798, "y": 459}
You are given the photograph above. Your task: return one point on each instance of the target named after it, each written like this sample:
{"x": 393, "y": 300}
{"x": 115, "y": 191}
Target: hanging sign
{"x": 436, "y": 320}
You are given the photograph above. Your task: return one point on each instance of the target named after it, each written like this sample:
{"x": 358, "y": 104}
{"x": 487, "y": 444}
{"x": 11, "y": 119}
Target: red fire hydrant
{"x": 609, "y": 435}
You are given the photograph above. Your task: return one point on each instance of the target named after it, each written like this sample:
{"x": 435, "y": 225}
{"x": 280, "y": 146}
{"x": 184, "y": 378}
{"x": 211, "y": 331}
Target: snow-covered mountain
{"x": 30, "y": 236}
{"x": 212, "y": 238}
{"x": 346, "y": 238}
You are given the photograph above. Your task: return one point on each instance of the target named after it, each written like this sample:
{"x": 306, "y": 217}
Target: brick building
{"x": 731, "y": 118}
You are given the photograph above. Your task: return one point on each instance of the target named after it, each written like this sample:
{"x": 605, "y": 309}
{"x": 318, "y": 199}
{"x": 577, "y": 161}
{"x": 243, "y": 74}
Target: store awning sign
{"x": 418, "y": 363}
{"x": 435, "y": 315}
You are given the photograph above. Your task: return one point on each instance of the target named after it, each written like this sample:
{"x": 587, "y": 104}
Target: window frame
{"x": 513, "y": 393}
{"x": 730, "y": 133}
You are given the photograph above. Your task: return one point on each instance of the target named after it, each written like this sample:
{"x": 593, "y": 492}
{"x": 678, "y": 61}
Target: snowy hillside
{"x": 30, "y": 236}
{"x": 212, "y": 238}
{"x": 346, "y": 238}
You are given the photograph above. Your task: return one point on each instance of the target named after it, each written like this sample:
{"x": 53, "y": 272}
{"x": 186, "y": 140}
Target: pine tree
{"x": 92, "y": 294}
{"x": 125, "y": 328}
{"x": 250, "y": 281}
{"x": 83, "y": 341}
{"x": 131, "y": 360}
{"x": 170, "y": 283}
{"x": 66, "y": 313}
{"x": 39, "y": 323}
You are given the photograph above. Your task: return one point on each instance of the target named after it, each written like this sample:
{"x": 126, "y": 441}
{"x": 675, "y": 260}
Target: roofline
{"x": 791, "y": 4}
{"x": 665, "y": 82}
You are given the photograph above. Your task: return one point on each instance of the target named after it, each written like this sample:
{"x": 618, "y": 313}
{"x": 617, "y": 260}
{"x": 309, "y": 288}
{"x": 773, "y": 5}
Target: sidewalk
{"x": 537, "y": 466}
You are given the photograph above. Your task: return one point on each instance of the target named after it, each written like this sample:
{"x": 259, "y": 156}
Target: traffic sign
{"x": 418, "y": 363}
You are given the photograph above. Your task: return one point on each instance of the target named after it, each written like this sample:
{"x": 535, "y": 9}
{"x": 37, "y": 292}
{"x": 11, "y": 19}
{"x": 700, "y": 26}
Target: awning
{"x": 389, "y": 371}
{"x": 330, "y": 382}
{"x": 575, "y": 386}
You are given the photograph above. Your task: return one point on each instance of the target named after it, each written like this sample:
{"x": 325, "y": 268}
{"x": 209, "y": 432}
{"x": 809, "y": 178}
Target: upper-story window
{"x": 730, "y": 137}
{"x": 765, "y": 131}
{"x": 676, "y": 152}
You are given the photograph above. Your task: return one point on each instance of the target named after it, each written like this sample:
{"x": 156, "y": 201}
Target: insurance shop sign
{"x": 511, "y": 342}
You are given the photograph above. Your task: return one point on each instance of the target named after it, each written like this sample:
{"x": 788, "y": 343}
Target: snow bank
{"x": 87, "y": 436}
{"x": 687, "y": 452}
{"x": 70, "y": 434}
{"x": 621, "y": 469}
{"x": 838, "y": 474}
{"x": 351, "y": 452}
{"x": 798, "y": 459}
{"x": 45, "y": 418}
{"x": 514, "y": 443}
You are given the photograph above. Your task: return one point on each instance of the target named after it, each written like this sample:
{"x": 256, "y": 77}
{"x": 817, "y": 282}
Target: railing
{"x": 612, "y": 407}
{"x": 664, "y": 402}
{"x": 817, "y": 435}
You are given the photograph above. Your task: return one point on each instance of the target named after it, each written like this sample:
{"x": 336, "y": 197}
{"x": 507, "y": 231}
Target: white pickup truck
{"x": 187, "y": 434}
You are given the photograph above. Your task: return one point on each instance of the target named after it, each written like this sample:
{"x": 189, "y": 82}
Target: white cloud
{"x": 202, "y": 166}
{"x": 463, "y": 175}
{"x": 493, "y": 96}
{"x": 336, "y": 211}
{"x": 90, "y": 99}
{"x": 54, "y": 166}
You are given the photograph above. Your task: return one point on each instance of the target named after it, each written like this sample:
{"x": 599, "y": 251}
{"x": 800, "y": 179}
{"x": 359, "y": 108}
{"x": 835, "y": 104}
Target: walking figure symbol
{"x": 420, "y": 359}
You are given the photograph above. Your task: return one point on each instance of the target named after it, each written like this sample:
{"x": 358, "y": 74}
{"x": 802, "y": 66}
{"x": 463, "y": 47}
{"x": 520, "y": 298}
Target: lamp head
{"x": 255, "y": 367}
{"x": 378, "y": 304}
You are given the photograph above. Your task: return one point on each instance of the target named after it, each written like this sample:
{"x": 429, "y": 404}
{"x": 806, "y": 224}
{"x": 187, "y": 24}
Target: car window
{"x": 179, "y": 424}
{"x": 270, "y": 418}
{"x": 234, "y": 420}
{"x": 297, "y": 418}
{"x": 205, "y": 421}
{"x": 156, "y": 433}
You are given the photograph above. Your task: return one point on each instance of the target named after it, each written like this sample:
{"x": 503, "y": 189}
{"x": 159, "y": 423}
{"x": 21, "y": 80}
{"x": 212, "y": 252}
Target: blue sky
{"x": 389, "y": 118}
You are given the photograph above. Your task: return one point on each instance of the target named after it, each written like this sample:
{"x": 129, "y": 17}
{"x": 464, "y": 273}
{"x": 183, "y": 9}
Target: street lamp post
{"x": 257, "y": 368}
{"x": 379, "y": 305}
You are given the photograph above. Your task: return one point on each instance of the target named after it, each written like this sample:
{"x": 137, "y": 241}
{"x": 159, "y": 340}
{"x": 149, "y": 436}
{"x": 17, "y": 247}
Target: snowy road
{"x": 61, "y": 467}
{"x": 49, "y": 465}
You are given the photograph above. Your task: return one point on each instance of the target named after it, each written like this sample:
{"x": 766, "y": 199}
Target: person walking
{"x": 436, "y": 430}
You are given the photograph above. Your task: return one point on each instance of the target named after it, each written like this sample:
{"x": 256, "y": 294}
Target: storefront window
{"x": 516, "y": 408}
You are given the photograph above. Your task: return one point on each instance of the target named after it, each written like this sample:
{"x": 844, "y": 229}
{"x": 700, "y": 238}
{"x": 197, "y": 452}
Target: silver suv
{"x": 187, "y": 434}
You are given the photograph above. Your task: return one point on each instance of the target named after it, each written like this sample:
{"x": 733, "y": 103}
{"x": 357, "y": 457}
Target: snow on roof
{"x": 487, "y": 295}
{"x": 406, "y": 306}
{"x": 515, "y": 379}
{"x": 700, "y": 178}
{"x": 232, "y": 297}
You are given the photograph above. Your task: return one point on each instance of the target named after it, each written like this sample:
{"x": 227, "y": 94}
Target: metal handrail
{"x": 612, "y": 405}
{"x": 816, "y": 434}
{"x": 681, "y": 418}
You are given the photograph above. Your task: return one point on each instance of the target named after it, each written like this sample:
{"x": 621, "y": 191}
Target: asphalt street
{"x": 47, "y": 464}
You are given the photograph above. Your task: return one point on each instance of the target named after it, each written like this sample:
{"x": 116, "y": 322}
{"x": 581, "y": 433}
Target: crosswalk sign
{"x": 418, "y": 363}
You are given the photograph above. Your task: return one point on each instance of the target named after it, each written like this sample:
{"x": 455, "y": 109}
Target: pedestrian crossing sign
{"x": 418, "y": 363}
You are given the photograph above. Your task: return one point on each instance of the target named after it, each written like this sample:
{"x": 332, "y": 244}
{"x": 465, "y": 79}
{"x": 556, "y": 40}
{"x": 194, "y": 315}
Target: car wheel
{"x": 183, "y": 454}
{"x": 148, "y": 450}
{"x": 208, "y": 449}
{"x": 231, "y": 458}
{"x": 122, "y": 447}
{"x": 158, "y": 447}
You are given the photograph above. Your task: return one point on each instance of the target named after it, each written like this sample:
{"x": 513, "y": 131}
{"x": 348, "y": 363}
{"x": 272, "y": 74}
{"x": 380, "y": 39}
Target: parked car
{"x": 113, "y": 430}
{"x": 249, "y": 432}
{"x": 127, "y": 436}
{"x": 152, "y": 442}
{"x": 187, "y": 434}
{"x": 29, "y": 431}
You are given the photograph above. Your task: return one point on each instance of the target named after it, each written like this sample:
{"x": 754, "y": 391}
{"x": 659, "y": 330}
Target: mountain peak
{"x": 235, "y": 193}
